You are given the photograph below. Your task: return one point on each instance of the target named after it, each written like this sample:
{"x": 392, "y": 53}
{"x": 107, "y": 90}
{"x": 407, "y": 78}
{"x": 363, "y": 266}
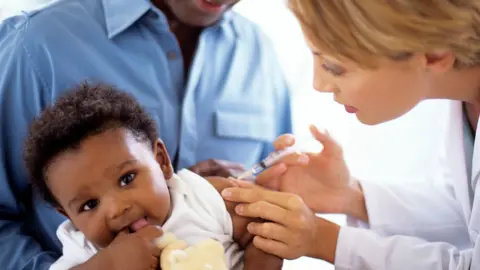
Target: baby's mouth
{"x": 138, "y": 224}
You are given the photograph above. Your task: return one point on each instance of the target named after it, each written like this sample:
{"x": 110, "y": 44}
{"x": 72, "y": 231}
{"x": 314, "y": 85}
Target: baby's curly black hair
{"x": 84, "y": 111}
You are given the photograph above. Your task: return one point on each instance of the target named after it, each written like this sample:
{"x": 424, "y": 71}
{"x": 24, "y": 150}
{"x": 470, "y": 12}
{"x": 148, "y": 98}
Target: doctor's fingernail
{"x": 226, "y": 193}
{"x": 240, "y": 209}
{"x": 303, "y": 159}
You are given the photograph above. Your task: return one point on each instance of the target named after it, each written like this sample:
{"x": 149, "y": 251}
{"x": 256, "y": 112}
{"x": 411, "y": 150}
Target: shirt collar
{"x": 121, "y": 14}
{"x": 228, "y": 24}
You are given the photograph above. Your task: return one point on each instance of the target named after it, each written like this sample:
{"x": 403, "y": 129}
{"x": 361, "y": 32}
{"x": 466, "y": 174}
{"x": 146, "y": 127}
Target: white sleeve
{"x": 420, "y": 209}
{"x": 65, "y": 263}
{"x": 440, "y": 243}
{"x": 362, "y": 249}
{"x": 75, "y": 248}
{"x": 209, "y": 200}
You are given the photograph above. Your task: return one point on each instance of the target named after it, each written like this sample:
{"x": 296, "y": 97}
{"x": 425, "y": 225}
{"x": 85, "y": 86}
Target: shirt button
{"x": 172, "y": 55}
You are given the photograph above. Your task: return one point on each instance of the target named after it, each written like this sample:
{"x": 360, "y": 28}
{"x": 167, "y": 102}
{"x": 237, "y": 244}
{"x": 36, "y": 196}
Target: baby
{"x": 95, "y": 156}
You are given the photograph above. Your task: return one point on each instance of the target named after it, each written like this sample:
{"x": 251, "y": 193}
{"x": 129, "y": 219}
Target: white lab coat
{"x": 425, "y": 226}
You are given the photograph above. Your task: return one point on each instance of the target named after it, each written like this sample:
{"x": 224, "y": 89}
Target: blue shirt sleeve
{"x": 20, "y": 90}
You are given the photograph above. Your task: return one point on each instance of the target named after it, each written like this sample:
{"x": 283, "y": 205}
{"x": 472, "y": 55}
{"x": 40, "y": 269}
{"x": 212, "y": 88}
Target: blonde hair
{"x": 364, "y": 30}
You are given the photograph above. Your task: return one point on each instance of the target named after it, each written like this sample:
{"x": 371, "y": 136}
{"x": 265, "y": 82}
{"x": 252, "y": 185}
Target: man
{"x": 208, "y": 77}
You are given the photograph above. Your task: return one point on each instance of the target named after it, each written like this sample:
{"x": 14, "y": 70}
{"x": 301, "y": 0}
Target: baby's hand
{"x": 132, "y": 251}
{"x": 290, "y": 231}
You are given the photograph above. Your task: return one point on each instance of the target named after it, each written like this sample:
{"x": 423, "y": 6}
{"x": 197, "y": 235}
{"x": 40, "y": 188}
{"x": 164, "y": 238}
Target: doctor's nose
{"x": 324, "y": 87}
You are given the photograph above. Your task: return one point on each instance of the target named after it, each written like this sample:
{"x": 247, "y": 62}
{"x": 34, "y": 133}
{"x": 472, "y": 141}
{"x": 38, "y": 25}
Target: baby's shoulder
{"x": 197, "y": 192}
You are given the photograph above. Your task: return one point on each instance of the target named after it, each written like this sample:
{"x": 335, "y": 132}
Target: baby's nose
{"x": 117, "y": 207}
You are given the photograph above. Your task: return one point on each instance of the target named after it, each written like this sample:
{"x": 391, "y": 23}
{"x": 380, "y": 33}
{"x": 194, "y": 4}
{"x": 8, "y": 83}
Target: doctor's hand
{"x": 289, "y": 228}
{"x": 321, "y": 179}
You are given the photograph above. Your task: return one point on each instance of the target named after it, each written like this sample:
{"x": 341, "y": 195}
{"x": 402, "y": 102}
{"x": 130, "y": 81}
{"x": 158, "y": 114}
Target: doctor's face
{"x": 199, "y": 13}
{"x": 374, "y": 95}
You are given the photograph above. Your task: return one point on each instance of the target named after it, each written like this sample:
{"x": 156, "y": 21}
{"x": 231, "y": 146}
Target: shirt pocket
{"x": 248, "y": 124}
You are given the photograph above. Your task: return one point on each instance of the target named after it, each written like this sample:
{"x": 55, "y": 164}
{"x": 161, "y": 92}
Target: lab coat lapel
{"x": 476, "y": 162}
{"x": 455, "y": 154}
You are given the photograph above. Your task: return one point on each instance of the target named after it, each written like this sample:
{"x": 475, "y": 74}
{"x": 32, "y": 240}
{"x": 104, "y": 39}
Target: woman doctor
{"x": 379, "y": 58}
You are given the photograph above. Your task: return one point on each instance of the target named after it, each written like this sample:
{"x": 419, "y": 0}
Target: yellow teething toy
{"x": 176, "y": 255}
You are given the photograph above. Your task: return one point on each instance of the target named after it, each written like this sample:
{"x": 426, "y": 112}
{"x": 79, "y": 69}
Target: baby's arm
{"x": 254, "y": 258}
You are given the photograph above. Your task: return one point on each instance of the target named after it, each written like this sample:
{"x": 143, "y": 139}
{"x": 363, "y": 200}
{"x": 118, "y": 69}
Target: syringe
{"x": 274, "y": 157}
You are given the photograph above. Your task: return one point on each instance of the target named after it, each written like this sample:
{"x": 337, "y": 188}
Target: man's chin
{"x": 199, "y": 22}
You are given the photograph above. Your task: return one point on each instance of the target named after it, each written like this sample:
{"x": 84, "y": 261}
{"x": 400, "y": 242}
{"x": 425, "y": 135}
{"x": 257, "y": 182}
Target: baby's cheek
{"x": 97, "y": 232}
{"x": 158, "y": 205}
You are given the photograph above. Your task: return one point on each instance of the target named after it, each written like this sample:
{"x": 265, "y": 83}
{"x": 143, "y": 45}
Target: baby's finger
{"x": 150, "y": 233}
{"x": 122, "y": 234}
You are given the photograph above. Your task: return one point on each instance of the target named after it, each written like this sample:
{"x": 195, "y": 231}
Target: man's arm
{"x": 20, "y": 88}
{"x": 254, "y": 258}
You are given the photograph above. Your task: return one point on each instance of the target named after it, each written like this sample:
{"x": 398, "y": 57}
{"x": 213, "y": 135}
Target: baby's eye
{"x": 89, "y": 205}
{"x": 126, "y": 179}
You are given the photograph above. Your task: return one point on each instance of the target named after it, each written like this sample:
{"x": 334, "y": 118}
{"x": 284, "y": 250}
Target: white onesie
{"x": 198, "y": 213}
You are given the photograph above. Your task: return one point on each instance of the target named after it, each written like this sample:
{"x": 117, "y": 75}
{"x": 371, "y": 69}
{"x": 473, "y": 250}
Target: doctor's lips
{"x": 350, "y": 109}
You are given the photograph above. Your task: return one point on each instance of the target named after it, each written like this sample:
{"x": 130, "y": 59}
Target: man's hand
{"x": 135, "y": 251}
{"x": 214, "y": 167}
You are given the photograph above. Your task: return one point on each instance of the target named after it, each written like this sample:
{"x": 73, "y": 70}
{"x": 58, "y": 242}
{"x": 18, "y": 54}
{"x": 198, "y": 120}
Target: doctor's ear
{"x": 439, "y": 61}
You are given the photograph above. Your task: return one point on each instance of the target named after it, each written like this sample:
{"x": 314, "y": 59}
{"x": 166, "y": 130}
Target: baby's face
{"x": 111, "y": 183}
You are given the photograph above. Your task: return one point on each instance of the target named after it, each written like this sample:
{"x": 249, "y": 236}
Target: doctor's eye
{"x": 333, "y": 69}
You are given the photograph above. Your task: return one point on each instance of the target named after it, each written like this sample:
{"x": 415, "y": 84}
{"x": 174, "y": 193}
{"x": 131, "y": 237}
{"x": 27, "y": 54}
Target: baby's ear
{"x": 161, "y": 155}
